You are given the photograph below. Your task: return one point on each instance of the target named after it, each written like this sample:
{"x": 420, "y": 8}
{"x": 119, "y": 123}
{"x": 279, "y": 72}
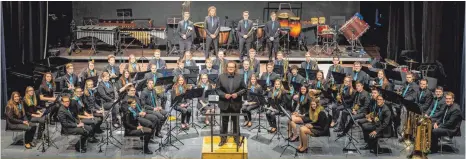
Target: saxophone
{"x": 423, "y": 137}
{"x": 285, "y": 68}
{"x": 333, "y": 86}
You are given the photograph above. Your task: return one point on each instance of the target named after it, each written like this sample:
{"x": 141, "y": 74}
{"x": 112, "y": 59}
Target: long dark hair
{"x": 44, "y": 82}
{"x": 12, "y": 105}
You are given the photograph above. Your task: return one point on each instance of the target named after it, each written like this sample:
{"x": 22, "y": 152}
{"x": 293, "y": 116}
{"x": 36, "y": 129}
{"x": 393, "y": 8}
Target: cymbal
{"x": 391, "y": 62}
{"x": 411, "y": 61}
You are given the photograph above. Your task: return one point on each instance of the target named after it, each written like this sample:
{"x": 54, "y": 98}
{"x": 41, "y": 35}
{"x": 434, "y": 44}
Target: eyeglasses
{"x": 66, "y": 101}
{"x": 132, "y": 90}
{"x": 379, "y": 99}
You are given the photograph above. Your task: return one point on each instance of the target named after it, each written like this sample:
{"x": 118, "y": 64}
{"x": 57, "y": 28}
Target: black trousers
{"x": 226, "y": 120}
{"x": 185, "y": 114}
{"x": 351, "y": 122}
{"x": 367, "y": 128}
{"x": 150, "y": 121}
{"x": 436, "y": 134}
{"x": 209, "y": 42}
{"x": 247, "y": 109}
{"x": 94, "y": 123}
{"x": 30, "y": 130}
{"x": 242, "y": 42}
{"x": 41, "y": 122}
{"x": 161, "y": 117}
{"x": 271, "y": 118}
{"x": 115, "y": 110}
{"x": 273, "y": 47}
{"x": 85, "y": 132}
{"x": 146, "y": 132}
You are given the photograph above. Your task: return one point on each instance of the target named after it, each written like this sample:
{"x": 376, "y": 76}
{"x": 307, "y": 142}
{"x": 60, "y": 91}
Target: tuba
{"x": 423, "y": 137}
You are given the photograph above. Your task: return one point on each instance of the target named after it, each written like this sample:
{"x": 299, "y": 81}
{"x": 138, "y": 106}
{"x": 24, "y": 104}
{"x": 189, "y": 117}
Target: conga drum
{"x": 199, "y": 28}
{"x": 224, "y": 34}
{"x": 314, "y": 21}
{"x": 321, "y": 28}
{"x": 283, "y": 19}
{"x": 321, "y": 20}
{"x": 260, "y": 30}
{"x": 295, "y": 27}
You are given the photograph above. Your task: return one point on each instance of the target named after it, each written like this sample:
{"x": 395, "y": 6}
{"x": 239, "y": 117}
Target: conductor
{"x": 230, "y": 91}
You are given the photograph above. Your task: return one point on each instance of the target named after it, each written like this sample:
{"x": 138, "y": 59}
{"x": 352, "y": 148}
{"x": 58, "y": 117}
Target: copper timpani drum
{"x": 354, "y": 28}
{"x": 224, "y": 35}
{"x": 199, "y": 28}
{"x": 295, "y": 26}
{"x": 260, "y": 30}
{"x": 283, "y": 19}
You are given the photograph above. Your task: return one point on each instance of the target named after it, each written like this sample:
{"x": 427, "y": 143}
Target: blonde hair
{"x": 250, "y": 83}
{"x": 68, "y": 65}
{"x": 26, "y": 97}
{"x": 110, "y": 56}
{"x": 212, "y": 8}
{"x": 280, "y": 90}
{"x": 176, "y": 85}
{"x": 86, "y": 89}
{"x": 200, "y": 81}
{"x": 314, "y": 114}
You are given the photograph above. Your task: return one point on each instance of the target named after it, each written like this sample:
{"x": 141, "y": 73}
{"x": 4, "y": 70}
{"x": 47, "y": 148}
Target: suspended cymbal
{"x": 411, "y": 61}
{"x": 391, "y": 62}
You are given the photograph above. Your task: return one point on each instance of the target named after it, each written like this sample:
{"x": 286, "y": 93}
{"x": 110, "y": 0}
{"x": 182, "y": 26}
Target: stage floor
{"x": 259, "y": 145}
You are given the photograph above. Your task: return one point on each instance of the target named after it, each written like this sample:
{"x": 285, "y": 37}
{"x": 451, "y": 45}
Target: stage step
{"x": 227, "y": 151}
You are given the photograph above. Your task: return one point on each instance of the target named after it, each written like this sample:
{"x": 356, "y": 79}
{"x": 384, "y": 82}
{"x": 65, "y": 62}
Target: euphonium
{"x": 423, "y": 137}
{"x": 285, "y": 68}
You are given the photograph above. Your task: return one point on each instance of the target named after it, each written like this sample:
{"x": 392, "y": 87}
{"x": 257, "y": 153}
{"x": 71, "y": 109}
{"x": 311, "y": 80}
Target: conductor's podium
{"x": 227, "y": 151}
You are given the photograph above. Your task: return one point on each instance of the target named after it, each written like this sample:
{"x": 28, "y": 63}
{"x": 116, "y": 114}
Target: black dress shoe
{"x": 374, "y": 151}
{"x": 116, "y": 125}
{"x": 341, "y": 134}
{"x": 93, "y": 140}
{"x": 147, "y": 151}
{"x": 158, "y": 136}
{"x": 365, "y": 147}
{"x": 222, "y": 142}
{"x": 338, "y": 130}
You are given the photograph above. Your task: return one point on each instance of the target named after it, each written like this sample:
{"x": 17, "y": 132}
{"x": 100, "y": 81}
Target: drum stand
{"x": 173, "y": 49}
{"x": 286, "y": 43}
{"x": 73, "y": 45}
{"x": 315, "y": 48}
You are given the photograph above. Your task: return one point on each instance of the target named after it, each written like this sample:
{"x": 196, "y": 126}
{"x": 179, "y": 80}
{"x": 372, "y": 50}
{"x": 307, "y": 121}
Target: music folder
{"x": 278, "y": 69}
{"x": 394, "y": 75}
{"x": 369, "y": 72}
{"x": 138, "y": 75}
{"x": 194, "y": 93}
{"x": 140, "y": 85}
{"x": 396, "y": 98}
{"x": 193, "y": 69}
{"x": 262, "y": 83}
{"x": 338, "y": 77}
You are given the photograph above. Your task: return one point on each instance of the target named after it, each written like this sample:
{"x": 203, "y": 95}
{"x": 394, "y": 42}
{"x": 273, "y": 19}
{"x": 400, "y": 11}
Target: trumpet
{"x": 69, "y": 84}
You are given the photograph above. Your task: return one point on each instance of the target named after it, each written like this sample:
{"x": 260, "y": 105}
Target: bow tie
{"x": 231, "y": 76}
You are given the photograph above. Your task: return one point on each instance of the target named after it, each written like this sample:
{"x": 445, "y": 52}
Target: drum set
{"x": 324, "y": 35}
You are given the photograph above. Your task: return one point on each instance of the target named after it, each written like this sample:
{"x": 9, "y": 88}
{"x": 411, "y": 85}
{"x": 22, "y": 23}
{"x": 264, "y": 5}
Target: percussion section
{"x": 106, "y": 34}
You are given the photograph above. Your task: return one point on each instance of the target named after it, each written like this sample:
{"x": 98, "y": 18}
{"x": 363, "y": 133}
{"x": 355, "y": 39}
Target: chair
{"x": 67, "y": 135}
{"x": 384, "y": 139}
{"x": 15, "y": 134}
{"x": 327, "y": 131}
{"x": 126, "y": 136}
{"x": 452, "y": 137}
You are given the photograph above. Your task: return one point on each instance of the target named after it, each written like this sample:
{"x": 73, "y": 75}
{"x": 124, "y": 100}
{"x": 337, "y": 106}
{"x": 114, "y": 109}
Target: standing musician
{"x": 316, "y": 125}
{"x": 437, "y": 108}
{"x": 152, "y": 101}
{"x": 252, "y": 102}
{"x": 106, "y": 95}
{"x": 425, "y": 96}
{"x": 188, "y": 59}
{"x": 271, "y": 30}
{"x": 212, "y": 28}
{"x": 277, "y": 95}
{"x": 269, "y": 76}
{"x": 179, "y": 88}
{"x": 359, "y": 107}
{"x": 379, "y": 124}
{"x": 300, "y": 114}
{"x": 294, "y": 76}
{"x": 124, "y": 81}
{"x": 336, "y": 67}
{"x": 153, "y": 75}
{"x": 33, "y": 112}
{"x": 16, "y": 119}
{"x": 357, "y": 74}
{"x": 309, "y": 64}
{"x": 253, "y": 61}
{"x": 71, "y": 125}
{"x": 344, "y": 99}
{"x": 185, "y": 31}
{"x": 132, "y": 123}
{"x": 180, "y": 70}
{"x": 46, "y": 91}
{"x": 112, "y": 68}
{"x": 246, "y": 72}
{"x": 132, "y": 65}
{"x": 151, "y": 120}
{"x": 208, "y": 69}
{"x": 204, "y": 107}
{"x": 159, "y": 62}
{"x": 230, "y": 90}
{"x": 220, "y": 61}
{"x": 69, "y": 80}
{"x": 90, "y": 71}
{"x": 381, "y": 81}
{"x": 89, "y": 99}
{"x": 83, "y": 113}
{"x": 449, "y": 122}
{"x": 244, "y": 31}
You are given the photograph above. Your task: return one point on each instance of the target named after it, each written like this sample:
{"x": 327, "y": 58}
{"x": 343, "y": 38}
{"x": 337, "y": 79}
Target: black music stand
{"x": 47, "y": 139}
{"x": 393, "y": 75}
{"x": 338, "y": 77}
{"x": 138, "y": 75}
{"x": 193, "y": 69}
{"x": 191, "y": 78}
{"x": 191, "y": 94}
{"x": 213, "y": 78}
{"x": 278, "y": 69}
{"x": 167, "y": 81}
{"x": 206, "y": 95}
{"x": 113, "y": 80}
{"x": 369, "y": 72}
{"x": 168, "y": 139}
{"x": 140, "y": 85}
{"x": 285, "y": 147}
{"x": 261, "y": 103}
{"x": 166, "y": 72}
{"x": 95, "y": 79}
{"x": 109, "y": 134}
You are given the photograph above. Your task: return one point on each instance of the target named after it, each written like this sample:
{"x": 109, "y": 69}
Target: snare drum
{"x": 403, "y": 68}
{"x": 224, "y": 35}
{"x": 321, "y": 28}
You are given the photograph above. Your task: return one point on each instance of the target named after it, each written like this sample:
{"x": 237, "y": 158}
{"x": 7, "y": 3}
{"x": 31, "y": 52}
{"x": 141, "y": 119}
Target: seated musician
{"x": 449, "y": 123}
{"x": 159, "y": 62}
{"x": 180, "y": 70}
{"x": 316, "y": 86}
{"x": 182, "y": 106}
{"x": 150, "y": 120}
{"x": 336, "y": 67}
{"x": 381, "y": 81}
{"x": 437, "y": 108}
{"x": 89, "y": 99}
{"x": 372, "y": 107}
{"x": 379, "y": 124}
{"x": 133, "y": 124}
{"x": 309, "y": 64}
{"x": 252, "y": 102}
{"x": 425, "y": 96}
{"x": 124, "y": 81}
{"x": 16, "y": 119}
{"x": 152, "y": 101}
{"x": 269, "y": 76}
{"x": 253, "y": 61}
{"x": 220, "y": 61}
{"x": 204, "y": 105}
{"x": 294, "y": 76}
{"x": 246, "y": 72}
{"x": 132, "y": 65}
{"x": 90, "y": 71}
{"x": 208, "y": 69}
{"x": 359, "y": 75}
{"x": 359, "y": 107}
{"x": 112, "y": 68}
{"x": 279, "y": 60}
{"x": 315, "y": 125}
{"x": 46, "y": 95}
{"x": 153, "y": 75}
{"x": 69, "y": 80}
{"x": 277, "y": 95}
{"x": 71, "y": 125}
{"x": 33, "y": 112}
{"x": 83, "y": 113}
{"x": 300, "y": 114}
{"x": 188, "y": 59}
{"x": 410, "y": 88}
{"x": 344, "y": 100}
{"x": 106, "y": 96}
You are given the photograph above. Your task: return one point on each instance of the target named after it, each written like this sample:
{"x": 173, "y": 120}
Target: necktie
{"x": 71, "y": 79}
{"x": 139, "y": 108}
{"x": 155, "y": 78}
{"x": 334, "y": 68}
{"x": 107, "y": 84}
{"x": 90, "y": 93}
{"x": 435, "y": 107}
{"x": 446, "y": 111}
{"x": 92, "y": 72}
{"x": 318, "y": 84}
{"x": 153, "y": 98}
{"x": 380, "y": 82}
{"x": 380, "y": 113}
{"x": 113, "y": 69}
{"x": 275, "y": 93}
{"x": 49, "y": 85}
{"x": 302, "y": 99}
{"x": 127, "y": 81}
{"x": 293, "y": 79}
{"x": 252, "y": 88}
{"x": 20, "y": 107}
{"x": 420, "y": 96}
{"x": 406, "y": 90}
{"x": 307, "y": 67}
{"x": 344, "y": 89}
{"x": 68, "y": 109}
{"x": 158, "y": 66}
{"x": 273, "y": 24}
{"x": 188, "y": 62}
{"x": 180, "y": 88}
{"x": 31, "y": 101}
{"x": 212, "y": 21}
{"x": 185, "y": 24}
{"x": 268, "y": 79}
{"x": 246, "y": 24}
{"x": 208, "y": 71}
{"x": 355, "y": 76}
{"x": 246, "y": 77}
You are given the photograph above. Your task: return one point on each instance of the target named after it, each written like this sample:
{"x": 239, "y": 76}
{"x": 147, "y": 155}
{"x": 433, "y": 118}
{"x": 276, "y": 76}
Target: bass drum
{"x": 199, "y": 28}
{"x": 295, "y": 27}
{"x": 224, "y": 35}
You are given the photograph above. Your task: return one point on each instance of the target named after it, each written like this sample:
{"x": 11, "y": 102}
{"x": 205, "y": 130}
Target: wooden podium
{"x": 227, "y": 151}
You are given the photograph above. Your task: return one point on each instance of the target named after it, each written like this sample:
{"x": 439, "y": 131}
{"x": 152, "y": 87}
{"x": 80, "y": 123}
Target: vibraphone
{"x": 144, "y": 35}
{"x": 106, "y": 34}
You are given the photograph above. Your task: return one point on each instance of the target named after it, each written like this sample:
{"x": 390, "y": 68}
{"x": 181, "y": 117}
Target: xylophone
{"x": 107, "y": 34}
{"x": 144, "y": 35}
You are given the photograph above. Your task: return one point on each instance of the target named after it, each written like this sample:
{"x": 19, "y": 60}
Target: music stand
{"x": 278, "y": 69}
{"x": 338, "y": 77}
{"x": 262, "y": 101}
{"x": 213, "y": 78}
{"x": 168, "y": 81}
{"x": 115, "y": 79}
{"x": 369, "y": 72}
{"x": 94, "y": 79}
{"x": 394, "y": 75}
{"x": 191, "y": 94}
{"x": 208, "y": 95}
{"x": 168, "y": 139}
{"x": 191, "y": 78}
{"x": 138, "y": 75}
{"x": 140, "y": 85}
{"x": 193, "y": 69}
{"x": 166, "y": 72}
